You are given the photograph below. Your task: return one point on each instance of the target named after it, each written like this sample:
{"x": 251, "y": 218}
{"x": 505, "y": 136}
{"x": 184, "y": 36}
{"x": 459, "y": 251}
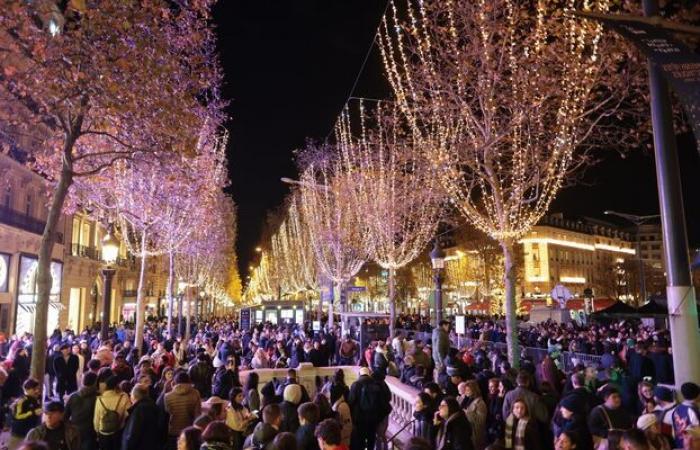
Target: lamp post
{"x": 437, "y": 259}
{"x": 110, "y": 251}
{"x": 638, "y": 221}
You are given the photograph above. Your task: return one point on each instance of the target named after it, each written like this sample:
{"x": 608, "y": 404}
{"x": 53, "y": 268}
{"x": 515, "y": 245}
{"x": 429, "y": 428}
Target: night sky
{"x": 289, "y": 68}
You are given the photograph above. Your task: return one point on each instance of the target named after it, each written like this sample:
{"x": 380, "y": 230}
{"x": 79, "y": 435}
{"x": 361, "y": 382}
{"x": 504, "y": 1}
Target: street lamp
{"x": 110, "y": 252}
{"x": 638, "y": 221}
{"x": 437, "y": 259}
{"x": 181, "y": 286}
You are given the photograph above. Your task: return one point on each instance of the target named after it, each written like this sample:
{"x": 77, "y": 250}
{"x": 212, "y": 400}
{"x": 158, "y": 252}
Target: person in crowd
{"x": 687, "y": 414}
{"x": 308, "y": 419}
{"x": 566, "y": 441}
{"x": 190, "y": 439}
{"x": 453, "y": 429}
{"x": 140, "y": 430}
{"x": 251, "y": 395}
{"x": 26, "y": 413}
{"x": 285, "y": 441}
{"x": 182, "y": 404}
{"x": 536, "y": 408}
{"x": 201, "y": 374}
{"x": 634, "y": 439}
{"x": 265, "y": 431}
{"x": 645, "y": 397}
{"x": 570, "y": 418}
{"x": 441, "y": 344}
{"x": 324, "y": 407}
{"x": 368, "y": 407}
{"x": 110, "y": 415}
{"x": 289, "y": 405}
{"x": 580, "y": 395}
{"x": 328, "y": 435}
{"x": 215, "y": 408}
{"x": 226, "y": 378}
{"x": 423, "y": 415}
{"x": 665, "y": 405}
{"x": 521, "y": 430}
{"x": 54, "y": 430}
{"x": 217, "y": 436}
{"x": 649, "y": 424}
{"x": 65, "y": 367}
{"x": 608, "y": 416}
{"x": 80, "y": 411}
{"x": 338, "y": 397}
{"x": 495, "y": 421}
{"x": 238, "y": 418}
{"x": 472, "y": 403}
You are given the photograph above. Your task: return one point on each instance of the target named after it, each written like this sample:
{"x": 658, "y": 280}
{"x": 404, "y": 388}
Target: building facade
{"x": 578, "y": 254}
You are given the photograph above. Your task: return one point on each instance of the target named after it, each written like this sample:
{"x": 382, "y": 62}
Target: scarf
{"x": 520, "y": 427}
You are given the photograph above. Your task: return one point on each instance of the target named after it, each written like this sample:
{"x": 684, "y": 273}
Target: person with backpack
{"x": 26, "y": 413}
{"x": 80, "y": 411}
{"x": 110, "y": 415}
{"x": 609, "y": 416}
{"x": 687, "y": 414}
{"x": 369, "y": 406}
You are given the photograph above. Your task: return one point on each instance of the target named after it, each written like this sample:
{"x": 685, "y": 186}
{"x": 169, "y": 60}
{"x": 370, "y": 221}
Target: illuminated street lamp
{"x": 110, "y": 252}
{"x": 437, "y": 259}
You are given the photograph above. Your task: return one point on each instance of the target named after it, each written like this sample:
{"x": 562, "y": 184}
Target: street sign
{"x": 245, "y": 319}
{"x": 356, "y": 288}
{"x": 460, "y": 326}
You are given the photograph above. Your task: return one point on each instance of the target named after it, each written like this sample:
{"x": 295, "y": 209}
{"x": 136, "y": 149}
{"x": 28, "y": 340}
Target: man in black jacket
{"x": 80, "y": 411}
{"x": 225, "y": 378}
{"x": 65, "y": 366}
{"x": 201, "y": 374}
{"x": 140, "y": 430}
{"x": 308, "y": 418}
{"x": 370, "y": 404}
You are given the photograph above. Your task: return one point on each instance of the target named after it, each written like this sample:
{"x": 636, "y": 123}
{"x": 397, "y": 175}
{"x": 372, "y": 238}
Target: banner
{"x": 679, "y": 64}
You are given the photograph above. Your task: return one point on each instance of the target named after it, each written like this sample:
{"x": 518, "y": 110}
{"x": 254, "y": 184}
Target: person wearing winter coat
{"x": 65, "y": 367}
{"x": 475, "y": 409}
{"x": 288, "y": 408}
{"x": 55, "y": 431}
{"x": 522, "y": 431}
{"x": 225, "y": 378}
{"x": 308, "y": 418}
{"x": 265, "y": 431}
{"x": 453, "y": 429}
{"x": 141, "y": 422}
{"x": 201, "y": 375}
{"x": 80, "y": 411}
{"x": 441, "y": 343}
{"x": 216, "y": 436}
{"x": 183, "y": 404}
{"x": 569, "y": 418}
{"x": 112, "y": 399}
{"x": 536, "y": 408}
{"x": 342, "y": 410}
{"x": 423, "y": 414}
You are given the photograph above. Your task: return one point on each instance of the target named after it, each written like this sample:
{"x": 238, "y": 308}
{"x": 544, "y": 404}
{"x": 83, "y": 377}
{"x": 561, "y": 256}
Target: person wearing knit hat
{"x": 570, "y": 418}
{"x": 649, "y": 424}
{"x": 290, "y": 418}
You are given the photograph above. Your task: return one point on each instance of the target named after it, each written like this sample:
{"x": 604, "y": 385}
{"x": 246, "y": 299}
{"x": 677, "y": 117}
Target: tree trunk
{"x": 188, "y": 299}
{"x": 43, "y": 270}
{"x": 335, "y": 294}
{"x": 169, "y": 292}
{"x": 140, "y": 301}
{"x": 510, "y": 303}
{"x": 392, "y": 301}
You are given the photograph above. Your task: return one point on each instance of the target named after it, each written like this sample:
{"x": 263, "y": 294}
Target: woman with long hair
{"x": 645, "y": 397}
{"x": 476, "y": 411}
{"x": 324, "y": 407}
{"x": 165, "y": 384}
{"x": 454, "y": 431}
{"x": 423, "y": 414}
{"x": 238, "y": 417}
{"x": 521, "y": 432}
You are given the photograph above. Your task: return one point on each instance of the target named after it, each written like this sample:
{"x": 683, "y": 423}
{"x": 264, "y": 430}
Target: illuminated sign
{"x": 4, "y": 271}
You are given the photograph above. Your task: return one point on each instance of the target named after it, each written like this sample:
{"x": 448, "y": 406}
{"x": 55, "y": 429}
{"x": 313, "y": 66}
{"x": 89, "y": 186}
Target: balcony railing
{"x": 14, "y": 218}
{"x": 83, "y": 251}
{"x": 129, "y": 293}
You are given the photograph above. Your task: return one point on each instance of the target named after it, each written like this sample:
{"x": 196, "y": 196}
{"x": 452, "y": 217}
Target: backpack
{"x": 370, "y": 396}
{"x": 111, "y": 420}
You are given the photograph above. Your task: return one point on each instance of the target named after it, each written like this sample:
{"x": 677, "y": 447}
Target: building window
{"x": 8, "y": 197}
{"x": 28, "y": 209}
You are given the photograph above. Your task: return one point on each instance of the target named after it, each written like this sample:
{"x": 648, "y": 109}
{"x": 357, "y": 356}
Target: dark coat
{"x": 290, "y": 418}
{"x": 455, "y": 433}
{"x": 66, "y": 371}
{"x": 141, "y": 425}
{"x": 423, "y": 426}
{"x": 533, "y": 440}
{"x": 305, "y": 438}
{"x": 201, "y": 374}
{"x": 663, "y": 366}
{"x": 71, "y": 435}
{"x": 359, "y": 416}
{"x": 224, "y": 381}
{"x": 80, "y": 411}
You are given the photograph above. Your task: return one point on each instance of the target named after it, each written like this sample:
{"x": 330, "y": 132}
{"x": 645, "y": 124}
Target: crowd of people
{"x": 206, "y": 393}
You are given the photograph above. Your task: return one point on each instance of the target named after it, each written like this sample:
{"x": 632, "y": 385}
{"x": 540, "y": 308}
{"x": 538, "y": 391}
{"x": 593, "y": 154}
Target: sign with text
{"x": 245, "y": 319}
{"x": 679, "y": 64}
{"x": 460, "y": 325}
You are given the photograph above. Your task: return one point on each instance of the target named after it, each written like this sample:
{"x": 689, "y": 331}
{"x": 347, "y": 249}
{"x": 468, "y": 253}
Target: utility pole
{"x": 680, "y": 294}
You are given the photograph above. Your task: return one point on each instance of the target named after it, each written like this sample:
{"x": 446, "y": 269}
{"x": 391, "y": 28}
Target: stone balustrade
{"x": 402, "y": 399}
{"x": 306, "y": 375}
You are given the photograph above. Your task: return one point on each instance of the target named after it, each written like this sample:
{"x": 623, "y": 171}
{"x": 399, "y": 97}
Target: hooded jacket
{"x": 262, "y": 437}
{"x": 80, "y": 411}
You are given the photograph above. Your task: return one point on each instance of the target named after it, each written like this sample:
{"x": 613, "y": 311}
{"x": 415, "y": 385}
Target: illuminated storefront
{"x": 27, "y": 294}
